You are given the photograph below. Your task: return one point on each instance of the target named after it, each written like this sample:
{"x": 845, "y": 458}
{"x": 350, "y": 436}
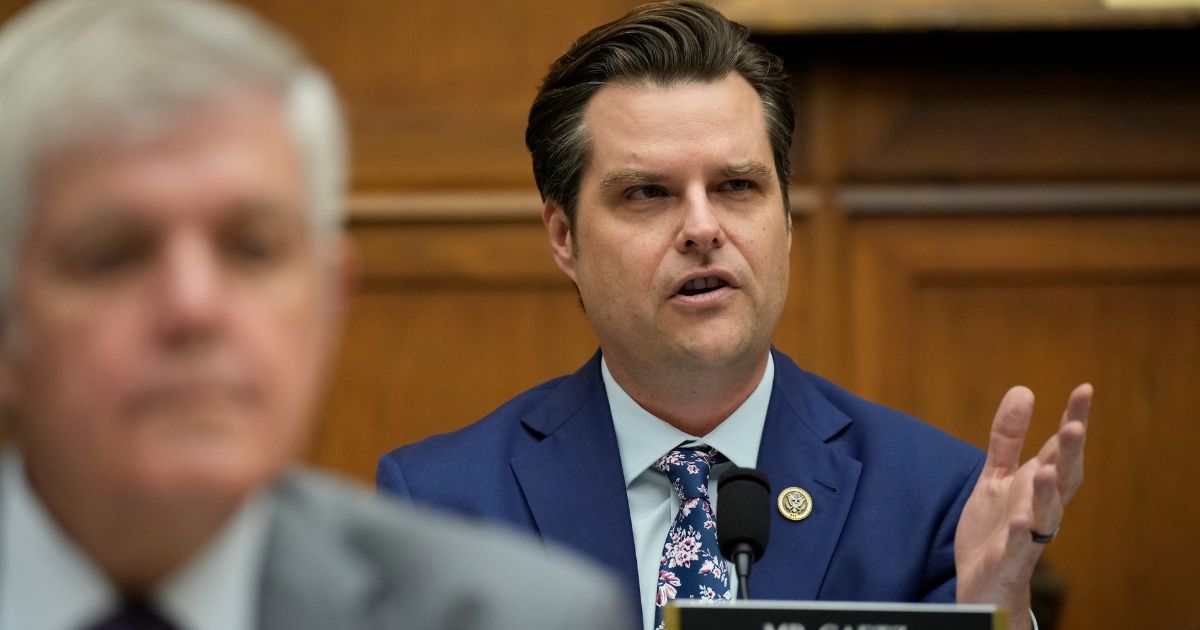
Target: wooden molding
{"x": 778, "y": 17}
{"x": 899, "y": 199}
{"x": 445, "y": 205}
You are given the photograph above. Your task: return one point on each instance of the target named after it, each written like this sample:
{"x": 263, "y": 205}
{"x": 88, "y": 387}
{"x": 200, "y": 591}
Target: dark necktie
{"x": 134, "y": 615}
{"x": 691, "y": 566}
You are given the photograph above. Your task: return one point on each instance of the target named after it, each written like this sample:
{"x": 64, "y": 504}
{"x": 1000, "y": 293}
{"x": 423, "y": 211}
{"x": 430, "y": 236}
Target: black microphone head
{"x": 743, "y": 511}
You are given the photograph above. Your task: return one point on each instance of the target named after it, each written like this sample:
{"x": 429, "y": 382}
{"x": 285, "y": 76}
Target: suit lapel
{"x": 794, "y": 452}
{"x": 309, "y": 582}
{"x": 572, "y": 477}
{"x": 573, "y": 482}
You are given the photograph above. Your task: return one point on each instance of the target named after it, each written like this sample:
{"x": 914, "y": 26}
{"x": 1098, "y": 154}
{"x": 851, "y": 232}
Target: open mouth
{"x": 699, "y": 286}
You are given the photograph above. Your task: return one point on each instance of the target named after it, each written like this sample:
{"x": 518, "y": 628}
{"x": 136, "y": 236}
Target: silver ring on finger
{"x": 1042, "y": 539}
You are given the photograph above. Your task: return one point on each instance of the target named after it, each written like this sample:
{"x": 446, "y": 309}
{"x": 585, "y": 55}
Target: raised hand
{"x": 1015, "y": 505}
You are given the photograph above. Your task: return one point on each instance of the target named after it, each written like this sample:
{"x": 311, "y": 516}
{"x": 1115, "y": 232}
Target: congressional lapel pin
{"x": 795, "y": 504}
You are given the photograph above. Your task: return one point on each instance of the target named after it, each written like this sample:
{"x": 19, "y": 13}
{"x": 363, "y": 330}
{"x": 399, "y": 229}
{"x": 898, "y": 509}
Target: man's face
{"x": 172, "y": 313}
{"x": 680, "y": 250}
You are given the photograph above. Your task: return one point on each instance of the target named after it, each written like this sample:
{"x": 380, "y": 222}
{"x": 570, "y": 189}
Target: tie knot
{"x": 135, "y": 615}
{"x": 687, "y": 469}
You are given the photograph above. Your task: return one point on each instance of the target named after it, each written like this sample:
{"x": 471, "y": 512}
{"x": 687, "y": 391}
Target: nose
{"x": 189, "y": 289}
{"x": 701, "y": 230}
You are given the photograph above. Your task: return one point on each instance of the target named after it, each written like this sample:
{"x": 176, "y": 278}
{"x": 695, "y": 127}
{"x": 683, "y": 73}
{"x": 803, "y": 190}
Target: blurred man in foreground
{"x": 660, "y": 146}
{"x": 171, "y": 280}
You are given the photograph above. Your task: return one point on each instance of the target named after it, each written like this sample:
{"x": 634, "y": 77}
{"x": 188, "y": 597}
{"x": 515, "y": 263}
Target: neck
{"x": 693, "y": 399}
{"x": 137, "y": 543}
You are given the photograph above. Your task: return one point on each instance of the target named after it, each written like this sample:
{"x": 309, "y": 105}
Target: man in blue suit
{"x": 660, "y": 146}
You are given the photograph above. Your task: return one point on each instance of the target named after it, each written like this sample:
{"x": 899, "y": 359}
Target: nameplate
{"x": 782, "y": 615}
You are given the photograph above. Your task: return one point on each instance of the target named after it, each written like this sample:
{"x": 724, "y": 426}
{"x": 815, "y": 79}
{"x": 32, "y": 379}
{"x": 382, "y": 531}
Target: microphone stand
{"x": 743, "y": 557}
{"x": 745, "y": 523}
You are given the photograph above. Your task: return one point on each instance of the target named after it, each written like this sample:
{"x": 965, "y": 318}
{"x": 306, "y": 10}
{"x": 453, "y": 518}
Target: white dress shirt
{"x": 643, "y": 438}
{"x": 47, "y": 582}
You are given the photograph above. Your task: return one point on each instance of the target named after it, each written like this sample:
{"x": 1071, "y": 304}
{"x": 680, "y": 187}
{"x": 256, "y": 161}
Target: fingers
{"x": 1072, "y": 434}
{"x": 1047, "y": 502}
{"x": 1059, "y": 471}
{"x": 1078, "y": 404}
{"x": 1009, "y": 429}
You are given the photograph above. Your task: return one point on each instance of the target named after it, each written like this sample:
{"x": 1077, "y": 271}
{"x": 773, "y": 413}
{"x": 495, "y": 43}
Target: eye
{"x": 103, "y": 253}
{"x": 645, "y": 193}
{"x": 738, "y": 185}
{"x": 257, "y": 236}
{"x": 109, "y": 259}
{"x": 250, "y": 249}
{"x": 254, "y": 247}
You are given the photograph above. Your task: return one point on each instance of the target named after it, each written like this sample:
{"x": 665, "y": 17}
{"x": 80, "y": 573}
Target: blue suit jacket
{"x": 887, "y": 489}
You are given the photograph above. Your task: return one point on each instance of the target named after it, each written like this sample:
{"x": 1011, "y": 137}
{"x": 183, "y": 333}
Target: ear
{"x": 788, "y": 218}
{"x": 343, "y": 279}
{"x": 562, "y": 242}
{"x": 338, "y": 273}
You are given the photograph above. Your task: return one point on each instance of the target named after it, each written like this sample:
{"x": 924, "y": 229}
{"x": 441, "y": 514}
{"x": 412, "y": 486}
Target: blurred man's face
{"x": 171, "y": 312}
{"x": 681, "y": 245}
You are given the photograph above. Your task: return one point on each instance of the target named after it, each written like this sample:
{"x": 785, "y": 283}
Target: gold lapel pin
{"x": 795, "y": 504}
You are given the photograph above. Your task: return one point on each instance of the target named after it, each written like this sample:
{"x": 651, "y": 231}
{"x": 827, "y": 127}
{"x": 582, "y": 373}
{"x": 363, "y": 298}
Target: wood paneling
{"x": 955, "y": 107}
{"x": 894, "y": 260}
{"x": 438, "y": 92}
{"x": 448, "y": 320}
{"x": 788, "y": 16}
{"x": 950, "y": 312}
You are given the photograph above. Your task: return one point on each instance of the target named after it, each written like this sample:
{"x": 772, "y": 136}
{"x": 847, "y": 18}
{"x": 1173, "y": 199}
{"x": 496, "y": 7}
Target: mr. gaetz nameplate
{"x": 780, "y": 615}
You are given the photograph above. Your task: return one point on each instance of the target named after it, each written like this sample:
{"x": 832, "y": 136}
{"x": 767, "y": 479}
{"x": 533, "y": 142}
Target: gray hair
{"x": 74, "y": 71}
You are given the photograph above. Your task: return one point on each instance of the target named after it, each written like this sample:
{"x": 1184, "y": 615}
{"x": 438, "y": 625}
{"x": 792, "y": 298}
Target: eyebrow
{"x": 747, "y": 167}
{"x": 626, "y": 175}
{"x": 254, "y": 209}
{"x": 107, "y": 218}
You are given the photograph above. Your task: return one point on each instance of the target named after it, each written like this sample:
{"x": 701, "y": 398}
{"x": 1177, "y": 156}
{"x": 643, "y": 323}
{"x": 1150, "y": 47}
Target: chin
{"x": 714, "y": 344}
{"x": 206, "y": 471}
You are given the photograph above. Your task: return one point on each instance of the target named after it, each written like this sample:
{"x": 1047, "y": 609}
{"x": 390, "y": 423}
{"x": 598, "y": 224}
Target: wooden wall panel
{"x": 893, "y": 259}
{"x": 950, "y": 312}
{"x": 437, "y": 93}
{"x": 789, "y": 16}
{"x": 425, "y": 360}
{"x": 448, "y": 320}
{"x": 1143, "y": 446}
{"x": 1052, "y": 106}
{"x": 795, "y": 334}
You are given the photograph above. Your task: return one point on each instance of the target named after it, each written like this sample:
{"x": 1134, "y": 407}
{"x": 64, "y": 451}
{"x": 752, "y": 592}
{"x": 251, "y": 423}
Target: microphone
{"x": 743, "y": 520}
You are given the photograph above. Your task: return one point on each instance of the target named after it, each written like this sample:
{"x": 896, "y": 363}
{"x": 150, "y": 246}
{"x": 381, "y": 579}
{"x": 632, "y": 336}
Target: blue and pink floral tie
{"x": 691, "y": 566}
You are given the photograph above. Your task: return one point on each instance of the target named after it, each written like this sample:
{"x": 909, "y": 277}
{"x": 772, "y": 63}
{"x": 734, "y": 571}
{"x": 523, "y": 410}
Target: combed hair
{"x": 663, "y": 43}
{"x": 74, "y": 72}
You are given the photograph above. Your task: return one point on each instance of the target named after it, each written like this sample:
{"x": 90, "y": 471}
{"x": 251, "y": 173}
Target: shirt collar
{"x": 642, "y": 437}
{"x": 219, "y": 588}
{"x": 47, "y": 581}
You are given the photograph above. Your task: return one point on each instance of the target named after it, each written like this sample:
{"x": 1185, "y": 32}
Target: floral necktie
{"x": 691, "y": 566}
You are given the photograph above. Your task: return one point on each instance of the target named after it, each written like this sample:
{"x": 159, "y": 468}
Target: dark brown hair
{"x": 664, "y": 43}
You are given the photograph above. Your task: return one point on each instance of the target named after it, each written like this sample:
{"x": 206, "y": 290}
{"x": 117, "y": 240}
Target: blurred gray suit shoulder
{"x": 339, "y": 557}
